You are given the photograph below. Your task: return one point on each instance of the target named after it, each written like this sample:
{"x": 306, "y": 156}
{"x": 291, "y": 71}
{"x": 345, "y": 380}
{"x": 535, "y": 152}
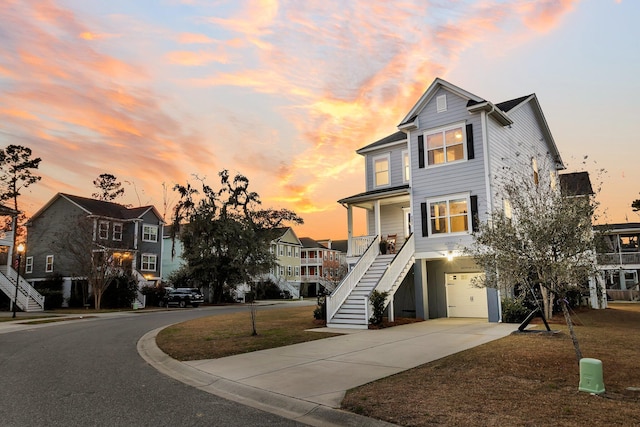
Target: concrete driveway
{"x": 306, "y": 377}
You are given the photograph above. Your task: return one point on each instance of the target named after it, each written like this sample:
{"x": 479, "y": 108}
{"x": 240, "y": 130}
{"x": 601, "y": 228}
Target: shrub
{"x": 514, "y": 310}
{"x": 377, "y": 300}
{"x": 51, "y": 290}
{"x": 121, "y": 293}
{"x": 153, "y": 294}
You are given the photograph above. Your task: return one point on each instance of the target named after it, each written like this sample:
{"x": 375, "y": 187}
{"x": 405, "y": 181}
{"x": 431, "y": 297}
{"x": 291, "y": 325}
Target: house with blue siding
{"x": 428, "y": 185}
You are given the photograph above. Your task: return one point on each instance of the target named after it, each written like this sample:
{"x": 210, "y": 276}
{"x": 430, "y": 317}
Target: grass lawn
{"x": 520, "y": 380}
{"x": 226, "y": 335}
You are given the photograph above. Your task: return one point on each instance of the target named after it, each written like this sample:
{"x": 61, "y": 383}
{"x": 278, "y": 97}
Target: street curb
{"x": 309, "y": 413}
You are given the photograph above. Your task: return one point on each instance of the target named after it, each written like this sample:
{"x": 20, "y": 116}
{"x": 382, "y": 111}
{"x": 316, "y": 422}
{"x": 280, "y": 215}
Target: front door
{"x": 464, "y": 299}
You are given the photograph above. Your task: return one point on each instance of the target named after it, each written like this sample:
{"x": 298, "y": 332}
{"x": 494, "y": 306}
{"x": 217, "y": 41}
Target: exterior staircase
{"x": 28, "y": 298}
{"x": 348, "y": 306}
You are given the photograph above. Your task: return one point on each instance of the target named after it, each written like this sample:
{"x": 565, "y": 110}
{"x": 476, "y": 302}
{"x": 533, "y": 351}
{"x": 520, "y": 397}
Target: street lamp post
{"x": 15, "y": 298}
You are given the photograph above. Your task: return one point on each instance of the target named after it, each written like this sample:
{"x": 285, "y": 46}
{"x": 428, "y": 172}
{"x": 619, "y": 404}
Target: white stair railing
{"x": 397, "y": 270}
{"x": 344, "y": 289}
{"x": 26, "y": 292}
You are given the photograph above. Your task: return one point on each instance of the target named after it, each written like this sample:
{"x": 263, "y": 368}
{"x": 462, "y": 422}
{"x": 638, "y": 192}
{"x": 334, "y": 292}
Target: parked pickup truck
{"x": 183, "y": 297}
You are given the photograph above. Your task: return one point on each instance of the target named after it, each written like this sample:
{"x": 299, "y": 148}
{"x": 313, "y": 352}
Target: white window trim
{"x": 443, "y": 129}
{"x": 406, "y": 167}
{"x": 149, "y": 256}
{"x": 297, "y": 270}
{"x": 113, "y": 233}
{"x": 151, "y": 227}
{"x": 100, "y": 229}
{"x": 28, "y": 265}
{"x": 48, "y": 266}
{"x": 386, "y": 157}
{"x": 408, "y": 222}
{"x": 448, "y": 198}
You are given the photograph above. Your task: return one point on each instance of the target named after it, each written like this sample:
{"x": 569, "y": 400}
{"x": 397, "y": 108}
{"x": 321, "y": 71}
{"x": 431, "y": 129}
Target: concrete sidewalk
{"x": 307, "y": 381}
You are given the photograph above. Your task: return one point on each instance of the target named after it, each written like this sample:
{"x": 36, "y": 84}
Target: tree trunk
{"x": 547, "y": 302}
{"x": 572, "y": 333}
{"x": 253, "y": 309}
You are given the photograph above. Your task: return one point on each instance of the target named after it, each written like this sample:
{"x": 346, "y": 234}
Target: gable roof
{"x": 388, "y": 140}
{"x": 101, "y": 208}
{"x": 575, "y": 184}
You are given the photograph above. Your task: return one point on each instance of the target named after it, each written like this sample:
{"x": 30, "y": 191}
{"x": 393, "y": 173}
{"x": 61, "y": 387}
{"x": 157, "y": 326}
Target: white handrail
{"x": 390, "y": 278}
{"x": 358, "y": 245}
{"x": 26, "y": 291}
{"x": 340, "y": 294}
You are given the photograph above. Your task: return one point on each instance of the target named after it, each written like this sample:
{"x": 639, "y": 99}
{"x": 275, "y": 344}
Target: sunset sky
{"x": 284, "y": 92}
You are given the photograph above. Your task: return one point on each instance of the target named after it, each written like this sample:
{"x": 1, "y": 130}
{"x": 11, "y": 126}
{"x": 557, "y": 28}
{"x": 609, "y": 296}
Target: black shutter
{"x": 425, "y": 219}
{"x": 420, "y": 151}
{"x": 474, "y": 213}
{"x": 470, "y": 152}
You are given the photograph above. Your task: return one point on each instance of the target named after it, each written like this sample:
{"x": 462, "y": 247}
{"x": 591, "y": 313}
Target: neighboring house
{"x": 286, "y": 274}
{"x": 427, "y": 186}
{"x": 171, "y": 253}
{"x": 320, "y": 266}
{"x": 132, "y": 237}
{"x": 28, "y": 299}
{"x": 619, "y": 260}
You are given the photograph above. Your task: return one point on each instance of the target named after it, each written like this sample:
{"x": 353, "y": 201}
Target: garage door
{"x": 464, "y": 299}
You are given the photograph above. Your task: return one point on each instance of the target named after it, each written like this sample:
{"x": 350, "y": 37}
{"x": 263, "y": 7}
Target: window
{"x": 289, "y": 270}
{"x": 297, "y": 252}
{"x": 508, "y": 212}
{"x": 330, "y": 256}
{"x": 28, "y": 265}
{"x": 49, "y": 264}
{"x": 381, "y": 170}
{"x": 408, "y": 226}
{"x": 150, "y": 233}
{"x": 297, "y": 271}
{"x": 281, "y": 271}
{"x": 149, "y": 262}
{"x": 441, "y": 103}
{"x": 534, "y": 165}
{"x": 554, "y": 180}
{"x": 103, "y": 230}
{"x": 281, "y": 250}
{"x": 449, "y": 215}
{"x": 324, "y": 255}
{"x": 406, "y": 171}
{"x": 289, "y": 251}
{"x": 446, "y": 145}
{"x": 117, "y": 231}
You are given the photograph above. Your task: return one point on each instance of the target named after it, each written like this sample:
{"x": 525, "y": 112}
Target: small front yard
{"x": 520, "y": 380}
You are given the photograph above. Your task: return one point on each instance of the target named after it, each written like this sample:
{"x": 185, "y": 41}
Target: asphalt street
{"x": 89, "y": 373}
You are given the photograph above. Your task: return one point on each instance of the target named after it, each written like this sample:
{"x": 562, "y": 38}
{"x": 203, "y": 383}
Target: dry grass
{"x": 226, "y": 335}
{"x": 520, "y": 380}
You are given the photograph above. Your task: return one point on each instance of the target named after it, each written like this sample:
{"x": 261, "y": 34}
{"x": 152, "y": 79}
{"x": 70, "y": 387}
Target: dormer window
{"x": 381, "y": 171}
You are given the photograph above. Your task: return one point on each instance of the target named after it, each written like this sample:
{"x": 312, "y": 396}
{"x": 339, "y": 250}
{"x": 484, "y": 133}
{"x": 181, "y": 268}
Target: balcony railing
{"x": 619, "y": 258}
{"x": 358, "y": 245}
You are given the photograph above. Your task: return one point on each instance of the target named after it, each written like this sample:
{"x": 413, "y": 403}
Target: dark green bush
{"x": 377, "y": 300}
{"x": 121, "y": 293}
{"x": 51, "y": 290}
{"x": 514, "y": 310}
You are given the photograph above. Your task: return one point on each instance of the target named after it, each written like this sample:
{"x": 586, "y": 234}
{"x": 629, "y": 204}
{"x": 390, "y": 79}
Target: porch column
{"x": 421, "y": 292}
{"x": 349, "y": 229}
{"x": 376, "y": 214}
{"x": 391, "y": 316}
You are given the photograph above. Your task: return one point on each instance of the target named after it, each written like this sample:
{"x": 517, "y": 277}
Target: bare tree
{"x": 109, "y": 186}
{"x": 99, "y": 264}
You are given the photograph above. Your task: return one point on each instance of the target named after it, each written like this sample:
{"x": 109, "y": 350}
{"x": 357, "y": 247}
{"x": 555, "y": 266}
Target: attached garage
{"x": 463, "y": 298}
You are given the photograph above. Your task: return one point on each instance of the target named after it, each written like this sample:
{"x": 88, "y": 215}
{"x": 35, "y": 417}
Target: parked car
{"x": 183, "y": 297}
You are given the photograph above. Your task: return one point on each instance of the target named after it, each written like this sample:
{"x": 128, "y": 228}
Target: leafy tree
{"x": 545, "y": 244}
{"x": 225, "y": 234}
{"x": 101, "y": 265}
{"x": 16, "y": 174}
{"x": 109, "y": 186}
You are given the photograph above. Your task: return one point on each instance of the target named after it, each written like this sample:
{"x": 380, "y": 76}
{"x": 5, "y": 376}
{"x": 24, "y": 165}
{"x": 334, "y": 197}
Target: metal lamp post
{"x": 15, "y": 298}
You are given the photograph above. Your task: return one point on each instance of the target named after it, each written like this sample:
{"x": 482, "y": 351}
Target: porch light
{"x": 450, "y": 256}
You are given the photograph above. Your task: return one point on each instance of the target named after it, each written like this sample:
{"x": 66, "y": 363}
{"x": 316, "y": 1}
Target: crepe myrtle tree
{"x": 541, "y": 240}
{"x": 226, "y": 234}
{"x": 84, "y": 257}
